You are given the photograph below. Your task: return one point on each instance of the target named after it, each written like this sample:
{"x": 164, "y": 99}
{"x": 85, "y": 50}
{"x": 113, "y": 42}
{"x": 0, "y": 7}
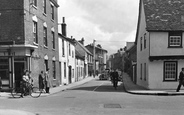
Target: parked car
{"x": 104, "y": 75}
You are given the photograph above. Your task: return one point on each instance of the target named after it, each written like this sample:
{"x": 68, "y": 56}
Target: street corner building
{"x": 28, "y": 40}
{"x": 159, "y": 40}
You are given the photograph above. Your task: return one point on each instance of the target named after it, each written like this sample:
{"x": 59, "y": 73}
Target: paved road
{"x": 97, "y": 98}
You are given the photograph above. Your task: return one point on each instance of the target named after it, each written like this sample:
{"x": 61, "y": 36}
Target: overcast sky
{"x": 111, "y": 23}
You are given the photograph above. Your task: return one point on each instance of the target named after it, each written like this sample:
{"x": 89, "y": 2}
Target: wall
{"x": 159, "y": 45}
{"x": 156, "y": 76}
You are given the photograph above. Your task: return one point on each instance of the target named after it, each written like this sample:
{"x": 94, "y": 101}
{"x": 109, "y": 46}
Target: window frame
{"x": 35, "y": 32}
{"x": 176, "y": 71}
{"x": 35, "y": 3}
{"x": 174, "y": 34}
{"x": 141, "y": 44}
{"x": 54, "y": 69}
{"x": 45, "y": 6}
{"x": 52, "y": 12}
{"x": 45, "y": 41}
{"x": 53, "y": 39}
{"x": 63, "y": 47}
{"x": 145, "y": 41}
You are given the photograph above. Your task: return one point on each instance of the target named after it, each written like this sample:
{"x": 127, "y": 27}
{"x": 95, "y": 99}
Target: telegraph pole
{"x": 94, "y": 68}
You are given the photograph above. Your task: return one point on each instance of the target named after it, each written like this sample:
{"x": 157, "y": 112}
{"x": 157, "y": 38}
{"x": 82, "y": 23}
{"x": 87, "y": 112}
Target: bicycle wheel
{"x": 16, "y": 92}
{"x": 35, "y": 92}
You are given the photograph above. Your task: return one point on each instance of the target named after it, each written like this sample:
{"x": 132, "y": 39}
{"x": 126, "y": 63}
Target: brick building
{"x": 28, "y": 40}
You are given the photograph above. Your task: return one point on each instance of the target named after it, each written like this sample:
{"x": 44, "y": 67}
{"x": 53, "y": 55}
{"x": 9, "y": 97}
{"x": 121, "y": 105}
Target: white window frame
{"x": 170, "y": 70}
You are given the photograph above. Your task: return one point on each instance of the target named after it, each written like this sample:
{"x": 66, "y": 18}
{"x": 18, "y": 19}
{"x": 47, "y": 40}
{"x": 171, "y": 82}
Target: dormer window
{"x": 175, "y": 40}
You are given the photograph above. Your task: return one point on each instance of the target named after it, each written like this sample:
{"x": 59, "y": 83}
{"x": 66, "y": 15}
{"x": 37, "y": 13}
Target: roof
{"x": 162, "y": 15}
{"x": 72, "y": 41}
{"x": 78, "y": 55}
{"x": 165, "y": 15}
{"x": 83, "y": 47}
{"x": 96, "y": 47}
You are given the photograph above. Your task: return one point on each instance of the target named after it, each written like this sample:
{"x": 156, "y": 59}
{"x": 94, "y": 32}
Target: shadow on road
{"x": 102, "y": 88}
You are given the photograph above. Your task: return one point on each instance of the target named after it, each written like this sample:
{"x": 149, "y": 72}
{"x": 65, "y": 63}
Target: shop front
{"x": 13, "y": 61}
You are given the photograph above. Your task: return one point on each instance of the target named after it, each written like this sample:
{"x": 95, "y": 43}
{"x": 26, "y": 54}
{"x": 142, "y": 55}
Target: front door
{"x": 70, "y": 74}
{"x": 19, "y": 71}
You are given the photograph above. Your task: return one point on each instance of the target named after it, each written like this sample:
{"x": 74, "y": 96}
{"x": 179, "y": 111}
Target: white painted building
{"x": 159, "y": 39}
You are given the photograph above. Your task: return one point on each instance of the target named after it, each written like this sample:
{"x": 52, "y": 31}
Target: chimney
{"x": 82, "y": 41}
{"x": 63, "y": 27}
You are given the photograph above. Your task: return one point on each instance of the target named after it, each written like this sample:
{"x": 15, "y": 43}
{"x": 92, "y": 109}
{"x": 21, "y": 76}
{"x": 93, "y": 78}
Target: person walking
{"x": 47, "y": 81}
{"x": 41, "y": 81}
{"x": 115, "y": 79}
{"x": 181, "y": 80}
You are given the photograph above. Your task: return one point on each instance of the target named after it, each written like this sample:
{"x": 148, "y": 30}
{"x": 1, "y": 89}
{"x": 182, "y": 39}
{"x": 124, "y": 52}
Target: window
{"x": 144, "y": 41}
{"x": 35, "y": 3}
{"x": 53, "y": 40}
{"x": 63, "y": 47}
{"x": 46, "y": 64}
{"x": 44, "y": 7}
{"x": 65, "y": 70}
{"x": 72, "y": 54}
{"x": 141, "y": 44}
{"x": 141, "y": 72}
{"x": 170, "y": 70}
{"x": 35, "y": 32}
{"x": 45, "y": 36}
{"x": 69, "y": 49}
{"x": 54, "y": 69}
{"x": 52, "y": 12}
{"x": 175, "y": 39}
{"x": 145, "y": 71}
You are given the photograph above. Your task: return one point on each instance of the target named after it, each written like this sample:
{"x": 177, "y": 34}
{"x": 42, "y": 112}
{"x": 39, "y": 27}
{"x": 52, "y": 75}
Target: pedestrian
{"x": 25, "y": 82}
{"x": 115, "y": 79}
{"x": 41, "y": 81}
{"x": 181, "y": 80}
{"x": 47, "y": 81}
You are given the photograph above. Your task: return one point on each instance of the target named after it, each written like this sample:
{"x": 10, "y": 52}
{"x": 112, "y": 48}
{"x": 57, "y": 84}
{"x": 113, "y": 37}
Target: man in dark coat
{"x": 115, "y": 78}
{"x": 41, "y": 81}
{"x": 181, "y": 80}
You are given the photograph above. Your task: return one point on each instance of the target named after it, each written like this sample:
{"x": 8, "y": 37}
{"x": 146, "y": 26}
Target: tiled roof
{"x": 164, "y": 15}
{"x": 78, "y": 55}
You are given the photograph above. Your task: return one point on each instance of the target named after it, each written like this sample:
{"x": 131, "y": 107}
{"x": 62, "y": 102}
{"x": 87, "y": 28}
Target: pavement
{"x": 131, "y": 87}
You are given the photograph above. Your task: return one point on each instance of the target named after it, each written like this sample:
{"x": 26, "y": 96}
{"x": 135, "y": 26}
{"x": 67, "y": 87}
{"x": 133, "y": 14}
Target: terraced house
{"x": 28, "y": 40}
{"x": 159, "y": 39}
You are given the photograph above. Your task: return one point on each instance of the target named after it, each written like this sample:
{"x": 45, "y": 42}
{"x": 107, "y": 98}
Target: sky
{"x": 111, "y": 23}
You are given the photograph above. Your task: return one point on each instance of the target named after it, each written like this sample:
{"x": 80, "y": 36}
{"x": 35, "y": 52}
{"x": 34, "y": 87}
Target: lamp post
{"x": 94, "y": 68}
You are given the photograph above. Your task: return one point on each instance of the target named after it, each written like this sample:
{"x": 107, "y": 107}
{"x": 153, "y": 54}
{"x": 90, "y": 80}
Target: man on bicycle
{"x": 114, "y": 78}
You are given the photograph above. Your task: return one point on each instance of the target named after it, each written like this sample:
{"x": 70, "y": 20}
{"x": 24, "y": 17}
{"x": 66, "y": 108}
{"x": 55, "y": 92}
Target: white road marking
{"x": 98, "y": 86}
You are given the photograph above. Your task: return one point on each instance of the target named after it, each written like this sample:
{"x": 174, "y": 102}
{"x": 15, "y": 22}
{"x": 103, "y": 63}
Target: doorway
{"x": 19, "y": 71}
{"x": 70, "y": 74}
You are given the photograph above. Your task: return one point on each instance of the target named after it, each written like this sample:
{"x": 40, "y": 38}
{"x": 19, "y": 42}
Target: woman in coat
{"x": 41, "y": 81}
{"x": 47, "y": 81}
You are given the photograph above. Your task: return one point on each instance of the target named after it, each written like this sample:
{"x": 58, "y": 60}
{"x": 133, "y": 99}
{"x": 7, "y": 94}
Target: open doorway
{"x": 19, "y": 71}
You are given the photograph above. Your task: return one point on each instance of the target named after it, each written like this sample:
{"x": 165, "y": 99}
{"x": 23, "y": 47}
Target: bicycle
{"x": 24, "y": 90}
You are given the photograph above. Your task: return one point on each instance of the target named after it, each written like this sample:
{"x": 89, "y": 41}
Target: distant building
{"x": 100, "y": 57}
{"x": 28, "y": 40}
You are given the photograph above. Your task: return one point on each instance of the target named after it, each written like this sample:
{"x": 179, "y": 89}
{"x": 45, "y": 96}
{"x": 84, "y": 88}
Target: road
{"x": 97, "y": 98}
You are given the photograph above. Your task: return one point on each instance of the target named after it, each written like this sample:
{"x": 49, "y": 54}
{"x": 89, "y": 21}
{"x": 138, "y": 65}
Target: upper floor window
{"x": 35, "y": 3}
{"x": 44, "y": 7}
{"x": 144, "y": 41}
{"x": 170, "y": 70}
{"x": 45, "y": 36}
{"x": 69, "y": 49}
{"x": 175, "y": 39}
{"x": 141, "y": 44}
{"x": 53, "y": 40}
{"x": 35, "y": 32}
{"x": 52, "y": 11}
{"x": 63, "y": 47}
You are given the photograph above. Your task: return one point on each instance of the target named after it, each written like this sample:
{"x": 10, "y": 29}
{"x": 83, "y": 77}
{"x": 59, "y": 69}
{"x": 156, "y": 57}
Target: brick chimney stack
{"x": 63, "y": 27}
